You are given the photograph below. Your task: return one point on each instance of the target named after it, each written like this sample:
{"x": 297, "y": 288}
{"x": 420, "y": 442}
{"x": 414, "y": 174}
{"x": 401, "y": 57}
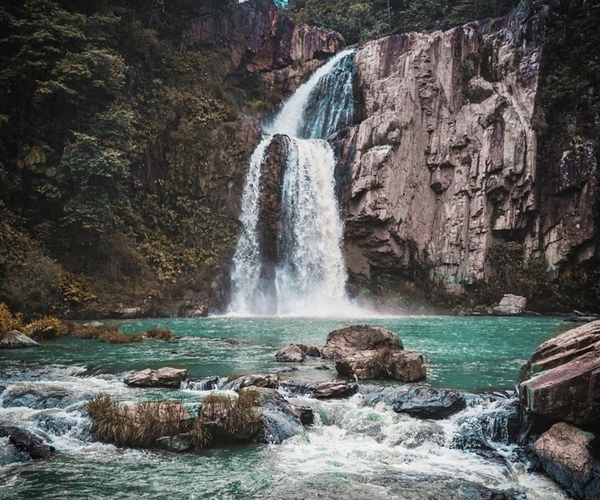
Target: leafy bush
{"x": 47, "y": 328}
{"x": 159, "y": 333}
{"x": 8, "y": 321}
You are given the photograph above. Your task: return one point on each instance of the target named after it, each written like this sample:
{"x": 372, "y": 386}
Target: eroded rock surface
{"x": 425, "y": 402}
{"x": 443, "y": 162}
{"x": 510, "y": 305}
{"x": 296, "y": 353}
{"x": 569, "y": 456}
{"x": 353, "y": 339}
{"x": 562, "y": 378}
{"x": 14, "y": 339}
{"x": 319, "y": 389}
{"x": 161, "y": 377}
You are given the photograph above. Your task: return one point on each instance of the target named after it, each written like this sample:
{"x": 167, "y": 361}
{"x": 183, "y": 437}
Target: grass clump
{"x": 159, "y": 333}
{"x": 140, "y": 425}
{"x": 238, "y": 416}
{"x": 117, "y": 337}
{"x": 91, "y": 332}
{"x": 47, "y": 328}
{"x": 8, "y": 320}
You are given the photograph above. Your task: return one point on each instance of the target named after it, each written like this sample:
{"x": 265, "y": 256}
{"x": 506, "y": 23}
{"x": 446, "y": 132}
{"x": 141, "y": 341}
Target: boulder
{"x": 161, "y": 377}
{"x": 353, "y": 339}
{"x": 320, "y": 389}
{"x": 425, "y": 402}
{"x": 268, "y": 381}
{"x": 406, "y": 366}
{"x": 296, "y": 353}
{"x": 567, "y": 456}
{"x": 174, "y": 444}
{"x": 510, "y": 305}
{"x": 14, "y": 339}
{"x": 562, "y": 378}
{"x": 27, "y": 442}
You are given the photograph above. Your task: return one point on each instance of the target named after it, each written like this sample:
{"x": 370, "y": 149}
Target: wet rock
{"x": 27, "y": 442}
{"x": 304, "y": 414}
{"x": 561, "y": 378}
{"x": 174, "y": 444}
{"x": 425, "y": 402}
{"x": 510, "y": 305}
{"x": 570, "y": 457}
{"x": 14, "y": 339}
{"x": 268, "y": 381}
{"x": 161, "y": 377}
{"x": 295, "y": 353}
{"x": 277, "y": 426}
{"x": 9, "y": 454}
{"x": 354, "y": 339}
{"x": 406, "y": 366}
{"x": 321, "y": 389}
{"x": 205, "y": 384}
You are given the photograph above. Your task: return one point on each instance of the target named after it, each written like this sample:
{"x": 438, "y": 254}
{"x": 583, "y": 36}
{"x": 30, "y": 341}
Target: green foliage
{"x": 359, "y": 20}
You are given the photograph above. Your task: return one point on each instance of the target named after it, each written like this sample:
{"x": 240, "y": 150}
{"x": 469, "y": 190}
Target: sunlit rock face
{"x": 443, "y": 161}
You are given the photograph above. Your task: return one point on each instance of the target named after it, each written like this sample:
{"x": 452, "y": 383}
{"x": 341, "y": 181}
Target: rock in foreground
{"x": 406, "y": 366}
{"x": 369, "y": 352}
{"x": 425, "y": 402}
{"x": 562, "y": 377}
{"x": 162, "y": 377}
{"x": 27, "y": 442}
{"x": 567, "y": 456}
{"x": 14, "y": 339}
{"x": 320, "y": 389}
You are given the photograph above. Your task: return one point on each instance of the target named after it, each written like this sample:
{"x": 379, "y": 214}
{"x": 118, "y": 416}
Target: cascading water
{"x": 309, "y": 275}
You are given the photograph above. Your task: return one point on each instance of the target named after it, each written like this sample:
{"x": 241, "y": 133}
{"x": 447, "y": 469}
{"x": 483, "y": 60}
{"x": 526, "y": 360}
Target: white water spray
{"x": 310, "y": 274}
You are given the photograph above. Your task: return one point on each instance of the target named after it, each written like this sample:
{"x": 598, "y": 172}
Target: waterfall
{"x": 305, "y": 274}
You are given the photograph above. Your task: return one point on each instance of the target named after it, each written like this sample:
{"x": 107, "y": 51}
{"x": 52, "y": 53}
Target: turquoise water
{"x": 466, "y": 353}
{"x": 353, "y": 451}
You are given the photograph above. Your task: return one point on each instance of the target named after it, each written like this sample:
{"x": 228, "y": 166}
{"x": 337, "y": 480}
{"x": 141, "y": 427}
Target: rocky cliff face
{"x": 265, "y": 41}
{"x": 444, "y": 158}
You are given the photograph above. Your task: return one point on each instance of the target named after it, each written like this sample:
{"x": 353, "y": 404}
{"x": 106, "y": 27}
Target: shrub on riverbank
{"x": 8, "y": 320}
{"x": 159, "y": 333}
{"x": 47, "y": 328}
{"x": 91, "y": 332}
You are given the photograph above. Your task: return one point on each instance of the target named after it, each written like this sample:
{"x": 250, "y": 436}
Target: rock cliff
{"x": 443, "y": 160}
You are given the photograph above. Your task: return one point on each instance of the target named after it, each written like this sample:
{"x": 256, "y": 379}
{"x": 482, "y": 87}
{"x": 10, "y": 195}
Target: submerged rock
{"x": 320, "y": 389}
{"x": 174, "y": 444}
{"x": 14, "y": 339}
{"x": 27, "y": 442}
{"x": 561, "y": 378}
{"x": 161, "y": 377}
{"x": 568, "y": 456}
{"x": 510, "y": 305}
{"x": 425, "y": 402}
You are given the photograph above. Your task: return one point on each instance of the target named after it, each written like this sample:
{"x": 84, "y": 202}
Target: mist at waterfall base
{"x": 309, "y": 275}
{"x": 354, "y": 450}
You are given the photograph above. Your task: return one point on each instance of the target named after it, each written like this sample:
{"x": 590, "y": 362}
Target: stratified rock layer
{"x": 567, "y": 456}
{"x": 162, "y": 377}
{"x": 443, "y": 162}
{"x": 562, "y": 378}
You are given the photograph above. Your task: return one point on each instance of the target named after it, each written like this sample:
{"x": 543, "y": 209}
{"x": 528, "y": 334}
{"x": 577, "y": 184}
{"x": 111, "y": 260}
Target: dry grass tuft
{"x": 117, "y": 337}
{"x": 159, "y": 333}
{"x": 8, "y": 320}
{"x": 238, "y": 415}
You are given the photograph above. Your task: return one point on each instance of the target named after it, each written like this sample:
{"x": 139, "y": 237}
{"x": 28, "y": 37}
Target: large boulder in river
{"x": 406, "y": 366}
{"x": 562, "y": 378}
{"x": 162, "y": 377}
{"x": 425, "y": 402}
{"x": 319, "y": 389}
{"x": 14, "y": 339}
{"x": 568, "y": 456}
{"x": 369, "y": 352}
{"x": 510, "y": 305}
{"x": 354, "y": 339}
{"x": 27, "y": 442}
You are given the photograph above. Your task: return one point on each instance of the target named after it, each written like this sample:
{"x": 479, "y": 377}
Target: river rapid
{"x": 357, "y": 448}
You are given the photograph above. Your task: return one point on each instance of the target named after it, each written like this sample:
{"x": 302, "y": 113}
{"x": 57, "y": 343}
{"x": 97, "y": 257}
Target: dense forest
{"x": 112, "y": 134}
